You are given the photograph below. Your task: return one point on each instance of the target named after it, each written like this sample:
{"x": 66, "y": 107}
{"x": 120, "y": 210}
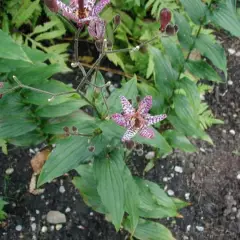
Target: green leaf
{"x": 37, "y": 73}
{"x": 158, "y": 142}
{"x": 60, "y": 110}
{"x": 109, "y": 170}
{"x": 191, "y": 91}
{"x": 179, "y": 203}
{"x": 203, "y": 70}
{"x": 67, "y": 155}
{"x": 10, "y": 50}
{"x": 225, "y": 16}
{"x": 129, "y": 90}
{"x": 164, "y": 75}
{"x": 50, "y": 35}
{"x": 3, "y": 145}
{"x": 185, "y": 31}
{"x": 45, "y": 27}
{"x": 178, "y": 140}
{"x": 213, "y": 51}
{"x": 87, "y": 185}
{"x": 174, "y": 53}
{"x": 196, "y": 10}
{"x": 149, "y": 230}
{"x": 35, "y": 55}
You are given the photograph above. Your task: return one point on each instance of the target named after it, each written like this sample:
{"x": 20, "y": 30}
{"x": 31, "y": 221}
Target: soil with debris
{"x": 210, "y": 181}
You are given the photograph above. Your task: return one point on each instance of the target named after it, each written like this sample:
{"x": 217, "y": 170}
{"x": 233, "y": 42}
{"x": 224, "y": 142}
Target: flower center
{"x": 137, "y": 121}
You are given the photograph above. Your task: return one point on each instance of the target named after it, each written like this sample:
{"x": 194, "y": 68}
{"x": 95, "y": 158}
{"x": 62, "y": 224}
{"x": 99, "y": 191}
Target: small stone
{"x": 200, "y": 228}
{"x": 68, "y": 209}
{"x": 91, "y": 213}
{"x": 230, "y": 82}
{"x": 62, "y": 189}
{"x": 187, "y": 196}
{"x": 237, "y": 54}
{"x": 188, "y": 228}
{"x": 224, "y": 131}
{"x": 56, "y": 217}
{"x": 44, "y": 229}
{"x": 232, "y": 132}
{"x": 37, "y": 211}
{"x": 231, "y": 51}
{"x": 202, "y": 150}
{"x": 185, "y": 238}
{"x": 52, "y": 228}
{"x": 234, "y": 115}
{"x": 32, "y": 219}
{"x": 238, "y": 214}
{"x": 18, "y": 228}
{"x": 150, "y": 155}
{"x": 172, "y": 175}
{"x": 58, "y": 227}
{"x": 9, "y": 171}
{"x": 165, "y": 179}
{"x": 170, "y": 192}
{"x": 234, "y": 209}
{"x": 238, "y": 176}
{"x": 178, "y": 169}
{"x": 34, "y": 227}
{"x": 81, "y": 227}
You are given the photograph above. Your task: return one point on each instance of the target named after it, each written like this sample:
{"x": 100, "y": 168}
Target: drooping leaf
{"x": 149, "y": 230}
{"x": 109, "y": 170}
{"x": 67, "y": 155}
{"x": 178, "y": 140}
{"x": 212, "y": 50}
{"x": 196, "y": 10}
{"x": 203, "y": 70}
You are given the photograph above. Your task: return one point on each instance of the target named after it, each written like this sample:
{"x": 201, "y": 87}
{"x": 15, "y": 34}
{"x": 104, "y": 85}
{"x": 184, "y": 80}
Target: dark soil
{"x": 210, "y": 176}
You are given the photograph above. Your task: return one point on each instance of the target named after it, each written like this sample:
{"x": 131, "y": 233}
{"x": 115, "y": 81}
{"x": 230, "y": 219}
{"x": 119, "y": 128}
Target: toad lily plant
{"x": 137, "y": 121}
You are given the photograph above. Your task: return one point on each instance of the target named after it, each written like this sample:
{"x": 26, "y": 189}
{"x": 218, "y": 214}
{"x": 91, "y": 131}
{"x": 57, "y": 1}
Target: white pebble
{"x": 32, "y": 219}
{"x": 62, "y": 189}
{"x": 178, "y": 169}
{"x": 232, "y": 132}
{"x": 18, "y": 228}
{"x": 231, "y": 51}
{"x": 170, "y": 192}
{"x": 172, "y": 175}
{"x": 58, "y": 227}
{"x": 150, "y": 155}
{"x": 238, "y": 176}
{"x": 37, "y": 211}
{"x": 188, "y": 228}
{"x": 44, "y": 229}
{"x": 200, "y": 228}
{"x": 165, "y": 179}
{"x": 202, "y": 150}
{"x": 33, "y": 226}
{"x": 237, "y": 54}
{"x": 234, "y": 115}
{"x": 9, "y": 171}
{"x": 230, "y": 82}
{"x": 52, "y": 228}
{"x": 187, "y": 196}
{"x": 91, "y": 213}
{"x": 56, "y": 217}
{"x": 68, "y": 209}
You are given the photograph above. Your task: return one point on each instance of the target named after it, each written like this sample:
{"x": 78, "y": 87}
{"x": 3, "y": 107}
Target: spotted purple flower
{"x": 137, "y": 121}
{"x": 83, "y": 12}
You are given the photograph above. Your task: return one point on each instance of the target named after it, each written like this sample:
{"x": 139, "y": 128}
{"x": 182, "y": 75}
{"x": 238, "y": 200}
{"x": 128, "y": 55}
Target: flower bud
{"x": 129, "y": 144}
{"x": 165, "y": 18}
{"x": 96, "y": 28}
{"x": 66, "y": 129}
{"x": 117, "y": 20}
{"x": 91, "y": 148}
{"x": 171, "y": 29}
{"x": 52, "y": 5}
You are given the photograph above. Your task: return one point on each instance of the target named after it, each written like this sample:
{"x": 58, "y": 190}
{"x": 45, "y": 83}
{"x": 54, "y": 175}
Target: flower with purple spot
{"x": 137, "y": 121}
{"x": 83, "y": 12}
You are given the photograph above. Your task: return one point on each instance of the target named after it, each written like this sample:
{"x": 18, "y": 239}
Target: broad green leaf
{"x": 29, "y": 139}
{"x": 165, "y": 76}
{"x": 87, "y": 186}
{"x": 225, "y": 16}
{"x": 50, "y": 35}
{"x": 174, "y": 53}
{"x": 203, "y": 70}
{"x": 51, "y": 86}
{"x": 179, "y": 203}
{"x": 11, "y": 50}
{"x": 129, "y": 90}
{"x": 14, "y": 127}
{"x": 85, "y": 123}
{"x": 158, "y": 142}
{"x": 191, "y": 91}
{"x": 67, "y": 155}
{"x": 109, "y": 170}
{"x": 45, "y": 27}
{"x": 178, "y": 140}
{"x": 212, "y": 50}
{"x": 185, "y": 32}
{"x": 196, "y": 10}
{"x": 149, "y": 230}
{"x": 60, "y": 110}
{"x": 35, "y": 55}
{"x": 37, "y": 73}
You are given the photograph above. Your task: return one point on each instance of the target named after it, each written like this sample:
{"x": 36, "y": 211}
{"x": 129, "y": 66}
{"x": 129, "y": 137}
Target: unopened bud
{"x": 52, "y": 5}
{"x": 165, "y": 18}
{"x": 74, "y": 129}
{"x": 138, "y": 98}
{"x": 91, "y": 148}
{"x": 171, "y": 29}
{"x": 129, "y": 144}
{"x": 117, "y": 20}
{"x": 66, "y": 129}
